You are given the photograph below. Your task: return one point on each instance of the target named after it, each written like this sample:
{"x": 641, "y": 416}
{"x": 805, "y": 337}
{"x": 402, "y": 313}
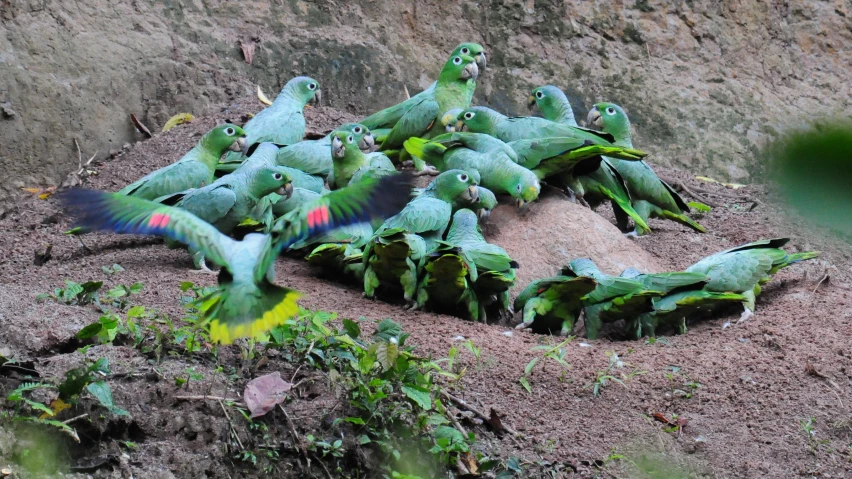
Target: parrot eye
{"x": 457, "y": 61}
{"x": 463, "y": 178}
{"x": 469, "y": 115}
{"x": 519, "y": 187}
{"x": 357, "y": 130}
{"x": 465, "y": 51}
{"x": 312, "y": 86}
{"x": 539, "y": 95}
{"x": 229, "y": 131}
{"x": 610, "y": 110}
{"x": 277, "y": 176}
{"x": 350, "y": 139}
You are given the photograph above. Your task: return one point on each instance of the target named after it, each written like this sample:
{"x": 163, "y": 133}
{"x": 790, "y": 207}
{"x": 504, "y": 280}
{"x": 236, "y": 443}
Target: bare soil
{"x": 745, "y": 419}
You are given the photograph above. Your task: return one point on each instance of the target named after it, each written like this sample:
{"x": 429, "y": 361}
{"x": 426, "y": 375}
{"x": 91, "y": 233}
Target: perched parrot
{"x": 300, "y": 196}
{"x": 453, "y": 90}
{"x": 230, "y": 200}
{"x": 388, "y": 118}
{"x": 447, "y": 282}
{"x": 380, "y": 165}
{"x": 480, "y": 119}
{"x": 347, "y": 158}
{"x": 486, "y": 201}
{"x": 651, "y": 197}
{"x": 194, "y": 170}
{"x": 493, "y": 160}
{"x": 552, "y": 305}
{"x": 339, "y": 251}
{"x": 247, "y": 302}
{"x": 400, "y": 245}
{"x": 592, "y": 187}
{"x": 282, "y": 122}
{"x": 673, "y": 309}
{"x": 313, "y": 156}
{"x": 619, "y": 297}
{"x": 745, "y": 268}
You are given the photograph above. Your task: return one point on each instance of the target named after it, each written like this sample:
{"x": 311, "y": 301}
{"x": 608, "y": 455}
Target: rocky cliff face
{"x": 705, "y": 83}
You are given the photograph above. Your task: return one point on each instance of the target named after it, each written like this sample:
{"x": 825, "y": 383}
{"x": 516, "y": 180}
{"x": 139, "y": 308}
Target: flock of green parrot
{"x": 340, "y": 202}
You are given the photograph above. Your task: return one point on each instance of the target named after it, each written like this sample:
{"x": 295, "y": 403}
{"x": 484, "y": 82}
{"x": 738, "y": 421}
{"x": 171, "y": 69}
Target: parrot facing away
{"x": 247, "y": 302}
{"x": 388, "y": 118}
{"x": 194, "y": 170}
{"x": 552, "y": 305}
{"x": 593, "y": 187}
{"x": 650, "y": 196}
{"x": 282, "y": 122}
{"x": 396, "y": 253}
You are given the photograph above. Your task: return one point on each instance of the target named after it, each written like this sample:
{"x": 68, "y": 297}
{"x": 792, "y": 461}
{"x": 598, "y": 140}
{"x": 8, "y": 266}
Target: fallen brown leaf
{"x": 139, "y": 126}
{"x": 660, "y": 417}
{"x": 248, "y": 50}
{"x": 263, "y": 393}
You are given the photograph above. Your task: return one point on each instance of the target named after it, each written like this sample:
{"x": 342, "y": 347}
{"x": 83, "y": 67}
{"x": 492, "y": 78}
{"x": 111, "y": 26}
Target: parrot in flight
{"x": 282, "y": 122}
{"x": 195, "y": 169}
{"x": 247, "y": 303}
{"x": 650, "y": 196}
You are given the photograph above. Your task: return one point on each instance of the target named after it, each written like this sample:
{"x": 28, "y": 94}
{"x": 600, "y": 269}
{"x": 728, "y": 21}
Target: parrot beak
{"x": 521, "y": 203}
{"x": 531, "y": 102}
{"x": 451, "y": 127}
{"x": 240, "y": 145}
{"x": 317, "y": 98}
{"x": 471, "y": 194}
{"x": 286, "y": 191}
{"x": 337, "y": 148}
{"x": 595, "y": 119}
{"x": 470, "y": 72}
{"x": 367, "y": 143}
{"x": 481, "y": 61}
{"x": 483, "y": 215}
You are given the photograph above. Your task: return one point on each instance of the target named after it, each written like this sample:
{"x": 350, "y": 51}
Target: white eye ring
{"x": 610, "y": 110}
{"x": 277, "y": 176}
{"x": 463, "y": 178}
{"x": 469, "y": 115}
{"x": 350, "y": 139}
{"x": 539, "y": 94}
{"x": 357, "y": 130}
{"x": 457, "y": 61}
{"x": 465, "y": 51}
{"x": 312, "y": 86}
{"x": 229, "y": 131}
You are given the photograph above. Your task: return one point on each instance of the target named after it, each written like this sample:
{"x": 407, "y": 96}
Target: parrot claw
{"x": 745, "y": 316}
{"x": 523, "y": 326}
{"x": 428, "y": 170}
{"x": 203, "y": 270}
{"x": 632, "y": 235}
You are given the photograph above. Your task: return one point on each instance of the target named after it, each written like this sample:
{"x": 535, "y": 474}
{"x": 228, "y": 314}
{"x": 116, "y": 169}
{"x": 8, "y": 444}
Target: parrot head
{"x": 526, "y": 188}
{"x": 479, "y": 119}
{"x": 582, "y": 267}
{"x": 609, "y": 118}
{"x": 465, "y": 219}
{"x": 343, "y": 142}
{"x": 631, "y": 273}
{"x": 365, "y": 139}
{"x": 456, "y": 184}
{"x": 459, "y": 68}
{"x": 225, "y": 137}
{"x": 547, "y": 98}
{"x": 474, "y": 50}
{"x": 450, "y": 120}
{"x": 271, "y": 179}
{"x": 304, "y": 89}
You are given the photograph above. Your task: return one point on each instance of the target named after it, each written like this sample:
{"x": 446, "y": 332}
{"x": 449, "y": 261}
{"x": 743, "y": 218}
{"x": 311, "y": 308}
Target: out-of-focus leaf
{"x": 698, "y": 206}
{"x": 419, "y": 395}
{"x": 733, "y": 186}
{"x": 178, "y": 119}
{"x": 814, "y": 170}
{"x": 101, "y": 391}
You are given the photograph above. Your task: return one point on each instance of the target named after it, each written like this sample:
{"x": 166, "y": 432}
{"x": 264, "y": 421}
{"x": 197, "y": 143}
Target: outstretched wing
{"x": 99, "y": 210}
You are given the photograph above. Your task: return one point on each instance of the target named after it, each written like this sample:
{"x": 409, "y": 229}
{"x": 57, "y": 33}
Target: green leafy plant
{"x": 553, "y": 353}
{"x": 809, "y": 427}
{"x": 680, "y": 384}
{"x": 74, "y": 293}
{"x": 612, "y": 373}
{"x": 115, "y": 268}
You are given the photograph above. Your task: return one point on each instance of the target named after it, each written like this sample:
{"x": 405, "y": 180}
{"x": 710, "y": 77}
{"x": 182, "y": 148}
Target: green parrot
{"x": 247, "y": 302}
{"x": 673, "y": 310}
{"x": 621, "y": 297}
{"x": 591, "y": 187}
{"x": 486, "y": 200}
{"x": 347, "y": 158}
{"x": 282, "y": 122}
{"x": 230, "y": 200}
{"x": 339, "y": 251}
{"x": 379, "y": 165}
{"x": 553, "y": 304}
{"x": 493, "y": 160}
{"x": 396, "y": 253}
{"x": 453, "y": 90}
{"x": 745, "y": 268}
{"x": 313, "y": 156}
{"x": 300, "y": 196}
{"x": 651, "y": 197}
{"x": 388, "y": 118}
{"x": 448, "y": 277}
{"x": 480, "y": 119}
{"x": 495, "y": 270}
{"x": 195, "y": 169}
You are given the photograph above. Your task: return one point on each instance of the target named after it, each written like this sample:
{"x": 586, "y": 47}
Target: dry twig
{"x": 485, "y": 417}
{"x": 231, "y": 425}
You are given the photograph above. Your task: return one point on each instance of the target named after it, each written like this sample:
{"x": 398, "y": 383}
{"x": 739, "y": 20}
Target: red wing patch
{"x": 159, "y": 220}
{"x": 318, "y": 217}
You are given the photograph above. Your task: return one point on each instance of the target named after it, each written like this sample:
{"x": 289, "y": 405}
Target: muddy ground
{"x": 744, "y": 420}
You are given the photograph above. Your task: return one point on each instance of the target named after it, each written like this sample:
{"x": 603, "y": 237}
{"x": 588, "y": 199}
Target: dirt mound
{"x": 554, "y": 231}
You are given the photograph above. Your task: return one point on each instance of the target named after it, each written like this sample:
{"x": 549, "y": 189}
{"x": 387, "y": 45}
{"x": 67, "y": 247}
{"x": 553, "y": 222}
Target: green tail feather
{"x": 627, "y": 154}
{"x": 247, "y": 311}
{"x": 795, "y": 258}
{"x": 684, "y": 220}
{"x": 624, "y": 204}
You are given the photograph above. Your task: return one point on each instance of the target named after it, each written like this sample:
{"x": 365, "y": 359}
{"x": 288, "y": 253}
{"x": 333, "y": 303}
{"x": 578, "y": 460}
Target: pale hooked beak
{"x": 240, "y": 144}
{"x": 521, "y": 203}
{"x": 483, "y": 214}
{"x": 594, "y": 118}
{"x": 531, "y": 102}
{"x": 470, "y": 72}
{"x": 337, "y": 148}
{"x": 367, "y": 143}
{"x": 317, "y": 98}
{"x": 481, "y": 61}
{"x": 471, "y": 194}
{"x": 451, "y": 128}
{"x": 286, "y": 191}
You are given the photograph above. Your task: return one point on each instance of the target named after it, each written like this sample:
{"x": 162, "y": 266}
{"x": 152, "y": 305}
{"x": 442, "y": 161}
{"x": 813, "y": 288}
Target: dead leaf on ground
{"x": 262, "y": 97}
{"x": 248, "y": 50}
{"x": 140, "y": 127}
{"x": 178, "y": 119}
{"x": 660, "y": 417}
{"x": 495, "y": 422}
{"x": 43, "y": 193}
{"x": 263, "y": 393}
{"x": 467, "y": 464}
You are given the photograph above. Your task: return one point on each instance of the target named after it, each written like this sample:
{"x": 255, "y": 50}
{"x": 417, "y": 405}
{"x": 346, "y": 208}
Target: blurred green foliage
{"x": 814, "y": 170}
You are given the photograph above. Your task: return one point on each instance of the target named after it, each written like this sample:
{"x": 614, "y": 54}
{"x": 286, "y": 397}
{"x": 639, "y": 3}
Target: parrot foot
{"x": 201, "y": 267}
{"x": 523, "y": 326}
{"x": 633, "y": 235}
{"x": 745, "y": 316}
{"x": 410, "y": 306}
{"x": 428, "y": 170}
